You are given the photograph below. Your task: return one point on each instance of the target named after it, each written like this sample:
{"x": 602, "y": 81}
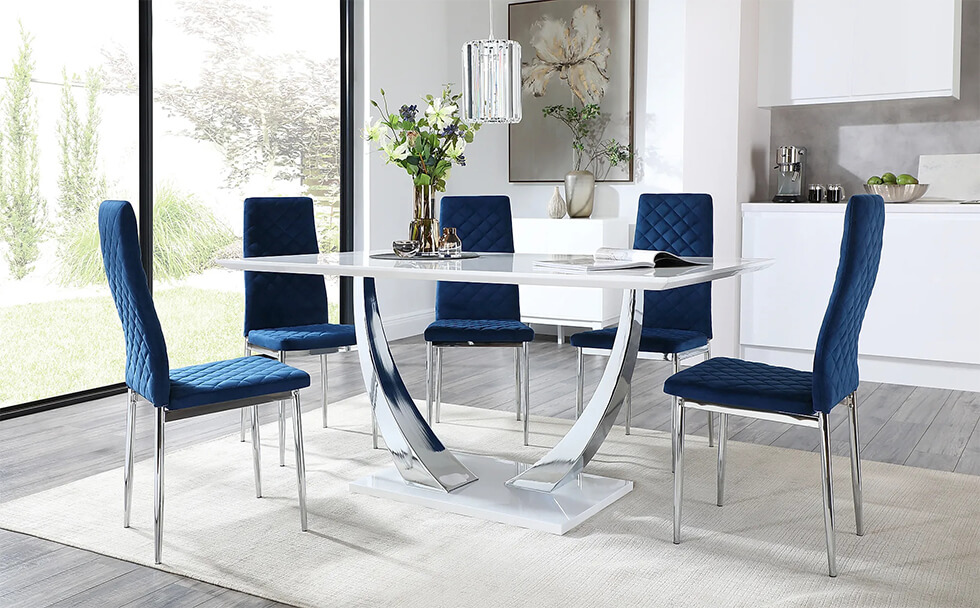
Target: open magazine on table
{"x": 614, "y": 258}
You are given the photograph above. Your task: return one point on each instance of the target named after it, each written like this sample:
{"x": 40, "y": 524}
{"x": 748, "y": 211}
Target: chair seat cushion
{"x": 652, "y": 340}
{"x": 478, "y": 331}
{"x": 303, "y": 337}
{"x": 232, "y": 379}
{"x": 746, "y": 384}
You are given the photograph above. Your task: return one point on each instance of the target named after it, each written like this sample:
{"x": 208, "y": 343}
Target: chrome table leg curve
{"x": 852, "y": 417}
{"x": 159, "y": 441}
{"x": 827, "y": 479}
{"x": 323, "y": 387}
{"x": 418, "y": 454}
{"x": 580, "y": 444}
{"x": 128, "y": 465}
{"x": 300, "y": 459}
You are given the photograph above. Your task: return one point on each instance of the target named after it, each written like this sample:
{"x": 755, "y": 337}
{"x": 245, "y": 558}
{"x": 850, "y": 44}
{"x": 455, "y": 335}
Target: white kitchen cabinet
{"x": 921, "y": 325}
{"x": 831, "y": 51}
{"x": 569, "y": 306}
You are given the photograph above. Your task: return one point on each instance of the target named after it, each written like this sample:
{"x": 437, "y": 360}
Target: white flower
{"x": 394, "y": 154}
{"x": 577, "y": 54}
{"x": 372, "y": 132}
{"x": 456, "y": 150}
{"x": 440, "y": 115}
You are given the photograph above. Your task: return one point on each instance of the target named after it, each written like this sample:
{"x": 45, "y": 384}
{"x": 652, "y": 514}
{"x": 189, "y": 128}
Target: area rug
{"x": 765, "y": 547}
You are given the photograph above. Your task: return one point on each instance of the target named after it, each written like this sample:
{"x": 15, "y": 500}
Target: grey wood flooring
{"x": 921, "y": 427}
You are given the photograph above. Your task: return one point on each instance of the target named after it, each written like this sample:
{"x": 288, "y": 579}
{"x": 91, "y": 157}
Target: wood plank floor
{"x": 930, "y": 428}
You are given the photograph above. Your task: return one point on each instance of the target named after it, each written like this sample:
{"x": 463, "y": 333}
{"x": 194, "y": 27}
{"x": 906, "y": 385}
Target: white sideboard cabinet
{"x": 831, "y": 51}
{"x": 570, "y": 306}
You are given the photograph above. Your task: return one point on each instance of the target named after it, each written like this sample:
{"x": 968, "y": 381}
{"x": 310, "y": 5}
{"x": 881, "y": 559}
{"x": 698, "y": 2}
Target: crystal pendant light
{"x": 492, "y": 79}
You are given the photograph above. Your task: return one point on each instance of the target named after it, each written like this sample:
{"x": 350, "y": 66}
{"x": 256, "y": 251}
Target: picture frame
{"x": 540, "y": 147}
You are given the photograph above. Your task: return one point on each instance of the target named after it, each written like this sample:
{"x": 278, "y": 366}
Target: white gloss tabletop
{"x": 505, "y": 268}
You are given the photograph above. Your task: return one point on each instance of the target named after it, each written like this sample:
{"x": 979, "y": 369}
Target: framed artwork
{"x": 576, "y": 54}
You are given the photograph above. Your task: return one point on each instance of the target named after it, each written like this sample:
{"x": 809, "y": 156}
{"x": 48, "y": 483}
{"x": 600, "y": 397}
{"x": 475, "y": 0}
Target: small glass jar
{"x": 814, "y": 193}
{"x": 450, "y": 246}
{"x": 835, "y": 193}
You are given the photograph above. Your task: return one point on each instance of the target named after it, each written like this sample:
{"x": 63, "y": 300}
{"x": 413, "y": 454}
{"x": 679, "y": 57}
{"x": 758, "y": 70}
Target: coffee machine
{"x": 791, "y": 175}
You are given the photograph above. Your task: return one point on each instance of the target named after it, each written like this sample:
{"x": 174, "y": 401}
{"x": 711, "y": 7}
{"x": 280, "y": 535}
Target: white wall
{"x": 697, "y": 128}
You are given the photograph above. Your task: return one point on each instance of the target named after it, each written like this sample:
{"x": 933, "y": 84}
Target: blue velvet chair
{"x": 287, "y": 312}
{"x": 472, "y": 314}
{"x": 677, "y": 322}
{"x": 187, "y": 391}
{"x": 766, "y": 392}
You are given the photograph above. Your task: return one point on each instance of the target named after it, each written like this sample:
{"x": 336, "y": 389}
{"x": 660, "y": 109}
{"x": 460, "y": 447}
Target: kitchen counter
{"x": 916, "y": 207}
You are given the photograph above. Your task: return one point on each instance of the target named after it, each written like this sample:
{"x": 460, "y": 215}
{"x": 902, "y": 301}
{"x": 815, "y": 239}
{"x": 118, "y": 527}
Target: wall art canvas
{"x": 575, "y": 53}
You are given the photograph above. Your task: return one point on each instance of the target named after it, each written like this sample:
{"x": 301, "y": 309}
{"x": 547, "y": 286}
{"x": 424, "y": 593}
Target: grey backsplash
{"x": 849, "y": 142}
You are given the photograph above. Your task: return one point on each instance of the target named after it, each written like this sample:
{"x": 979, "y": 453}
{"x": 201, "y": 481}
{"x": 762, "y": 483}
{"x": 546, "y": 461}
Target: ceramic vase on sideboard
{"x": 579, "y": 193}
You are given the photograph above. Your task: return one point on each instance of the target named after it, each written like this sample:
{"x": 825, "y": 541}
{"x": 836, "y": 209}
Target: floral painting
{"x": 577, "y": 54}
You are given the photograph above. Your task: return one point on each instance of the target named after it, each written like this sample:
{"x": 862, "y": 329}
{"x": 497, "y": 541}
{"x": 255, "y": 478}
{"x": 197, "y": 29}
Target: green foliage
{"x": 22, "y": 209}
{"x": 591, "y": 152}
{"x": 186, "y": 238}
{"x": 426, "y": 146}
{"x": 80, "y": 184}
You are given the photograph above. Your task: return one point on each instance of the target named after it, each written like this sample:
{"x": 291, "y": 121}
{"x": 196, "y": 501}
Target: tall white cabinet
{"x": 831, "y": 51}
{"x": 570, "y": 306}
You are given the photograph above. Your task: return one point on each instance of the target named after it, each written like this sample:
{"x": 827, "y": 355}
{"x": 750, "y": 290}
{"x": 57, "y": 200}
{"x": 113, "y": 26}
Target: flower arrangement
{"x": 426, "y": 145}
{"x": 591, "y": 152}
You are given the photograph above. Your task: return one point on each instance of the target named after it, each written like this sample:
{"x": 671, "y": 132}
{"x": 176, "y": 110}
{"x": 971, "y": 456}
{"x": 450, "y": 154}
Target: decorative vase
{"x": 556, "y": 208}
{"x": 424, "y": 227}
{"x": 450, "y": 245}
{"x": 579, "y": 193}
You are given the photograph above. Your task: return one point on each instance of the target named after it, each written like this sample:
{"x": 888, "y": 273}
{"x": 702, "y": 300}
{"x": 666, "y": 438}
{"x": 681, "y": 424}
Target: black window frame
{"x": 145, "y": 207}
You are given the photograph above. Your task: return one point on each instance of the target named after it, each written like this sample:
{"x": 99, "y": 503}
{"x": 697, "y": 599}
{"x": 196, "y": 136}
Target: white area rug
{"x": 764, "y": 548}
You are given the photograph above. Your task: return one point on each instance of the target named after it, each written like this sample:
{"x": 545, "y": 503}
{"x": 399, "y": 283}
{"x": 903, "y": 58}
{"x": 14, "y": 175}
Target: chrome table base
{"x": 426, "y": 472}
{"x": 491, "y": 499}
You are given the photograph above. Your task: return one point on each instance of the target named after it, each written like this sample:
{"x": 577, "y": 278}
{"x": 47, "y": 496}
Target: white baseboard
{"x": 891, "y": 370}
{"x": 408, "y": 324}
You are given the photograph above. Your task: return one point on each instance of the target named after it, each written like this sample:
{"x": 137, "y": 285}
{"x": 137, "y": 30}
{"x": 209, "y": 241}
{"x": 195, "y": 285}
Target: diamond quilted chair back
{"x": 483, "y": 223}
{"x": 147, "y": 365}
{"x": 835, "y": 361}
{"x": 281, "y": 226}
{"x": 683, "y": 225}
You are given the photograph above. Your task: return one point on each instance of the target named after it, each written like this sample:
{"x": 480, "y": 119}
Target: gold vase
{"x": 424, "y": 227}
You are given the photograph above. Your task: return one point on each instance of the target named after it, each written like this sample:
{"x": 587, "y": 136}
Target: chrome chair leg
{"x": 580, "y": 383}
{"x": 517, "y": 382}
{"x": 438, "y": 380}
{"x": 300, "y": 459}
{"x": 248, "y": 353}
{"x": 673, "y": 417}
{"x": 711, "y": 430}
{"x": 526, "y": 377}
{"x": 323, "y": 387}
{"x": 852, "y": 417}
{"x": 828, "y": 492}
{"x": 256, "y": 451}
{"x": 282, "y": 421}
{"x": 629, "y": 408}
{"x": 722, "y": 449}
{"x": 429, "y": 382}
{"x": 128, "y": 465}
{"x": 374, "y": 411}
{"x": 678, "y": 437}
{"x": 158, "y": 450}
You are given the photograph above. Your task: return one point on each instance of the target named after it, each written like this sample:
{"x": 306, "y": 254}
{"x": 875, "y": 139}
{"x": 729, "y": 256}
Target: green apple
{"x": 889, "y": 178}
{"x": 905, "y": 179}
{"x": 874, "y": 180}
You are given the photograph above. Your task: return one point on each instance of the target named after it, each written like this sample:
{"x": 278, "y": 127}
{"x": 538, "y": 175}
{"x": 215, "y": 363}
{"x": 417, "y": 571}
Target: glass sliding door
{"x": 69, "y": 127}
{"x": 247, "y": 103}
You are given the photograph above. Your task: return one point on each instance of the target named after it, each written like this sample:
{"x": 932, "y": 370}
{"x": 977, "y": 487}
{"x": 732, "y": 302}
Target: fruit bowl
{"x": 894, "y": 193}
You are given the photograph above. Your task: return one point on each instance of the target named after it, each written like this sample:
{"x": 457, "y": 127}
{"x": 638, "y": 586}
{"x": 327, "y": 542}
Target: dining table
{"x": 554, "y": 494}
